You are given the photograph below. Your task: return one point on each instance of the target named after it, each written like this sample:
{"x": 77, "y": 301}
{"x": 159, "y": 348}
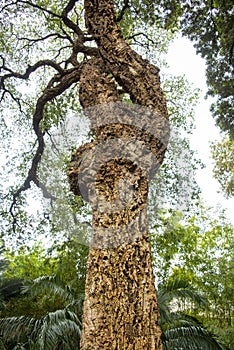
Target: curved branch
{"x": 69, "y": 23}
{"x": 33, "y": 41}
{"x": 140, "y": 34}
{"x": 69, "y": 77}
{"x": 29, "y": 70}
{"x": 6, "y": 91}
{"x": 135, "y": 74}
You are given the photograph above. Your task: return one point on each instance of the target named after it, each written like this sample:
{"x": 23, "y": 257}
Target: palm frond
{"x": 49, "y": 285}
{"x": 15, "y": 328}
{"x": 10, "y": 287}
{"x": 180, "y": 330}
{"x": 66, "y": 333}
{"x": 2, "y": 345}
{"x": 180, "y": 289}
{"x": 59, "y": 327}
{"x": 174, "y": 290}
{"x": 61, "y": 315}
{"x": 19, "y": 347}
{"x": 189, "y": 338}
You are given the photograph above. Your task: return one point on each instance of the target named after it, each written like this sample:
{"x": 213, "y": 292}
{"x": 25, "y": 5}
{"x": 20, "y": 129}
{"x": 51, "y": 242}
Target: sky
{"x": 183, "y": 60}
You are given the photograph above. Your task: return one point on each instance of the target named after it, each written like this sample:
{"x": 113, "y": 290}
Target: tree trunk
{"x": 113, "y": 172}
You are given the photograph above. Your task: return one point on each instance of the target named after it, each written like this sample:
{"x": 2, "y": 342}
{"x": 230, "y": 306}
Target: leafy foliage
{"x": 52, "y": 309}
{"x": 223, "y": 155}
{"x": 62, "y": 327}
{"x": 199, "y": 250}
{"x": 209, "y": 24}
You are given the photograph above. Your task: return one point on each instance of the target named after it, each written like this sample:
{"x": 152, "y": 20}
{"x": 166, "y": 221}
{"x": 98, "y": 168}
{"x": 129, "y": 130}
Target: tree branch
{"x": 122, "y": 12}
{"x": 32, "y": 41}
{"x": 68, "y": 78}
{"x": 69, "y": 23}
{"x": 28, "y": 71}
{"x": 32, "y": 5}
{"x": 140, "y": 34}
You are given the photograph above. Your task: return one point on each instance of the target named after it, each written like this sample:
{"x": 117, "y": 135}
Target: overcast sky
{"x": 182, "y": 59}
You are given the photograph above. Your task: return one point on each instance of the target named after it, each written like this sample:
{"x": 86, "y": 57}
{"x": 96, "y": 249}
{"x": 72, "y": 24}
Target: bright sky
{"x": 182, "y": 59}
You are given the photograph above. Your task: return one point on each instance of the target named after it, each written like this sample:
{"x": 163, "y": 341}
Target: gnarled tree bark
{"x": 112, "y": 172}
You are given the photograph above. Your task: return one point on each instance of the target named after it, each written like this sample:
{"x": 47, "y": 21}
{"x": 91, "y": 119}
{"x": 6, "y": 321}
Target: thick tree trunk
{"x": 112, "y": 172}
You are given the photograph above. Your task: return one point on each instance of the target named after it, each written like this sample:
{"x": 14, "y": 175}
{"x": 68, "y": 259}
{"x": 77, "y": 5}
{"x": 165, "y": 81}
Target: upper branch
{"x": 124, "y": 8}
{"x": 30, "y": 3}
{"x": 69, "y": 22}
{"x": 63, "y": 82}
{"x": 135, "y": 74}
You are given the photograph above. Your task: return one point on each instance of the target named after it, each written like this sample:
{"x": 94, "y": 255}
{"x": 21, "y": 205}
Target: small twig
{"x": 54, "y": 146}
{"x": 141, "y": 34}
{"x": 6, "y": 91}
{"x": 31, "y": 42}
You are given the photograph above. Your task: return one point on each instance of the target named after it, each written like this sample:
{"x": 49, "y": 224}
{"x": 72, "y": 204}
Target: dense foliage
{"x": 50, "y": 305}
{"x": 209, "y": 25}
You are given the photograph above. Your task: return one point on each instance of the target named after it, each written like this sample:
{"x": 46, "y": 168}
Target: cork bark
{"x": 112, "y": 172}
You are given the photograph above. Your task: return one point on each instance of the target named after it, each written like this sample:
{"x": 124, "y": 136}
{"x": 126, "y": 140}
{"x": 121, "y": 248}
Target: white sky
{"x": 182, "y": 59}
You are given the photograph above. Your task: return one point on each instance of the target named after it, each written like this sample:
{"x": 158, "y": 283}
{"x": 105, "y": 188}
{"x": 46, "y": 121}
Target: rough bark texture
{"x": 135, "y": 74}
{"x": 112, "y": 172}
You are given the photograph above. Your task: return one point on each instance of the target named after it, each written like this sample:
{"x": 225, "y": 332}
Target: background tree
{"x": 223, "y": 155}
{"x": 209, "y": 24}
{"x": 199, "y": 249}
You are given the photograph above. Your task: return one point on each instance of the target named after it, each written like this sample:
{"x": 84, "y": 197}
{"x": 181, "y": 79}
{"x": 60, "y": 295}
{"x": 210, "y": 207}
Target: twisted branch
{"x": 29, "y": 70}
{"x": 64, "y": 81}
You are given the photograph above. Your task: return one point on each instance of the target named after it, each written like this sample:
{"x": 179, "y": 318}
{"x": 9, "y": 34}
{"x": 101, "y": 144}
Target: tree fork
{"x": 136, "y": 75}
